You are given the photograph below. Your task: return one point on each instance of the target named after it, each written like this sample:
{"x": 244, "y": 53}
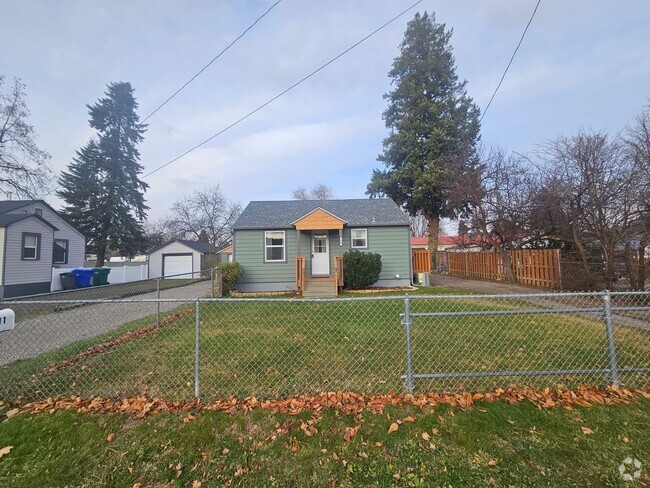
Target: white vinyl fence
{"x": 118, "y": 274}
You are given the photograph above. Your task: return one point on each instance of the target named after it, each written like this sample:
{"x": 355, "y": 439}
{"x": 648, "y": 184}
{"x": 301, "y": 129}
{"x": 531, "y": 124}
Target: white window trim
{"x": 352, "y": 246}
{"x": 34, "y": 247}
{"x": 284, "y": 247}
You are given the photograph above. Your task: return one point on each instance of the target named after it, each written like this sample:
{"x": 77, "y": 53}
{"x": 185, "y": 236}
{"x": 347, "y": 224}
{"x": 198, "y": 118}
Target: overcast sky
{"x": 582, "y": 64}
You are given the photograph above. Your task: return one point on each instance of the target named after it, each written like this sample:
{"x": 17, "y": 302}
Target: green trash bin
{"x": 100, "y": 276}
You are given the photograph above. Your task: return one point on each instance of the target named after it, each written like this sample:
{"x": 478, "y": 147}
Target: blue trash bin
{"x": 83, "y": 276}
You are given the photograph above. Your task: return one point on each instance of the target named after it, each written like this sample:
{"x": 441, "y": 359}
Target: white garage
{"x": 180, "y": 258}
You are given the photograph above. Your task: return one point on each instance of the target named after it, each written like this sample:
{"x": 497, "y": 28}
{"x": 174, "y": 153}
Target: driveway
{"x": 48, "y": 332}
{"x": 636, "y": 319}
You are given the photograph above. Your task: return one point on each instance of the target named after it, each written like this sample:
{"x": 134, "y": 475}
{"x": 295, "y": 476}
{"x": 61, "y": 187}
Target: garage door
{"x": 178, "y": 265}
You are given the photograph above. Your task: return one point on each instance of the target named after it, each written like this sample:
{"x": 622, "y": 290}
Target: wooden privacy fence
{"x": 535, "y": 267}
{"x": 421, "y": 261}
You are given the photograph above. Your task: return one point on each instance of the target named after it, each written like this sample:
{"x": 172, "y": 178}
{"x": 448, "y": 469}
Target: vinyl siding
{"x": 17, "y": 271}
{"x": 76, "y": 240}
{"x": 249, "y": 252}
{"x": 2, "y": 253}
{"x": 391, "y": 242}
{"x": 156, "y": 258}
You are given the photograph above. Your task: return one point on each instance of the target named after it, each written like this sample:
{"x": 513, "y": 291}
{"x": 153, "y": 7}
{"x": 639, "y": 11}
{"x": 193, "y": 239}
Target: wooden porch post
{"x": 298, "y": 244}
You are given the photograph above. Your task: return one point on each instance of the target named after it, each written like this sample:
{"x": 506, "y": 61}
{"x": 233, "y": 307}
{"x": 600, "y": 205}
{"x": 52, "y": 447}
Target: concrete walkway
{"x": 48, "y": 332}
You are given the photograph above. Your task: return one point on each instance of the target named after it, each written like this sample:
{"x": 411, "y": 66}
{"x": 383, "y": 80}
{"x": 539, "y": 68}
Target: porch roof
{"x": 319, "y": 219}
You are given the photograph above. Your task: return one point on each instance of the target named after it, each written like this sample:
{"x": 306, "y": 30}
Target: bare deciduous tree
{"x": 24, "y": 168}
{"x": 637, "y": 141}
{"x": 157, "y": 232}
{"x": 499, "y": 190}
{"x": 590, "y": 197}
{"x": 319, "y": 192}
{"x": 204, "y": 215}
{"x": 419, "y": 225}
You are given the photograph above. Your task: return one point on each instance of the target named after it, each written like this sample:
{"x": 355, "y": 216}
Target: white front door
{"x": 320, "y": 254}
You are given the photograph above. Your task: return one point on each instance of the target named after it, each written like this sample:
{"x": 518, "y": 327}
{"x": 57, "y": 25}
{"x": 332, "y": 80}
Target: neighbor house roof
{"x": 419, "y": 241}
{"x": 8, "y": 219}
{"x": 357, "y": 212}
{"x": 11, "y": 205}
{"x": 202, "y": 247}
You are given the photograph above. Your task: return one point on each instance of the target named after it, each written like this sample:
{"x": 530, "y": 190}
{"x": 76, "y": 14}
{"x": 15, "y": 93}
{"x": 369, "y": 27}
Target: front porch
{"x": 319, "y": 287}
{"x": 319, "y": 273}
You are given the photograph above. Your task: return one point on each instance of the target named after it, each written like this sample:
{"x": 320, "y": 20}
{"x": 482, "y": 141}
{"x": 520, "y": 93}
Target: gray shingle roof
{"x": 8, "y": 219}
{"x": 10, "y": 205}
{"x": 202, "y": 247}
{"x": 357, "y": 212}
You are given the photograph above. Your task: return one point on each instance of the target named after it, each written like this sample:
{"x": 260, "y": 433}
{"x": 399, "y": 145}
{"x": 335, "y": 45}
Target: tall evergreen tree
{"x": 434, "y": 128}
{"x": 102, "y": 190}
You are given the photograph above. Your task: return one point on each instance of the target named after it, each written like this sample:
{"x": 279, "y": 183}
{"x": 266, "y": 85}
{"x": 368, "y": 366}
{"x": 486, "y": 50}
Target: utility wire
{"x": 302, "y": 80}
{"x": 211, "y": 61}
{"x": 510, "y": 62}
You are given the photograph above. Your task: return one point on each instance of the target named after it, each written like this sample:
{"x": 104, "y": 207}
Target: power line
{"x": 283, "y": 92}
{"x": 510, "y": 62}
{"x": 211, "y": 61}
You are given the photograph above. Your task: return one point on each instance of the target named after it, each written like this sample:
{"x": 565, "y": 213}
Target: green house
{"x": 298, "y": 245}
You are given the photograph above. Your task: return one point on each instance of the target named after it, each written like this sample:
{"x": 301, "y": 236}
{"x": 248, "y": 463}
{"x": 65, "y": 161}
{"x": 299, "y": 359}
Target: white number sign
{"x": 7, "y": 319}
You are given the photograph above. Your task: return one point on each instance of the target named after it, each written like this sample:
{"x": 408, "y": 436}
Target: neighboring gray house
{"x": 181, "y": 257}
{"x": 34, "y": 238}
{"x": 272, "y": 240}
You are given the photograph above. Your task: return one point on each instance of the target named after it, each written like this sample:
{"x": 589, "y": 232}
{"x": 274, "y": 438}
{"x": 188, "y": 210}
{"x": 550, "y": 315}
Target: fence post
{"x": 158, "y": 302}
{"x": 409, "y": 359}
{"x": 197, "y": 350}
{"x": 611, "y": 343}
{"x": 212, "y": 282}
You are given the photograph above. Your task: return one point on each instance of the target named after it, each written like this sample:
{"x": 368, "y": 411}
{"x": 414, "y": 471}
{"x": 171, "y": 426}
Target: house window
{"x": 31, "y": 246}
{"x": 274, "y": 245}
{"x": 60, "y": 255}
{"x": 39, "y": 212}
{"x": 359, "y": 238}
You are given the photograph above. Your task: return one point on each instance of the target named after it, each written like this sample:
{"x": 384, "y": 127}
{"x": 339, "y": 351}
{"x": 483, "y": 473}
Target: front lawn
{"x": 493, "y": 444}
{"x": 279, "y": 348}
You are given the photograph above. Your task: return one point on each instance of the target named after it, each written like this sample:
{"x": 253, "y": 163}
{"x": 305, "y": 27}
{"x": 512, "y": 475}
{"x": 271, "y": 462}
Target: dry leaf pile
{"x": 347, "y": 403}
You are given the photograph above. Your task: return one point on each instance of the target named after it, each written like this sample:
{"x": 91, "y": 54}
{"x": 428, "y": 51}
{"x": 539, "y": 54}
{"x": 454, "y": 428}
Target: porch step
{"x": 320, "y": 288}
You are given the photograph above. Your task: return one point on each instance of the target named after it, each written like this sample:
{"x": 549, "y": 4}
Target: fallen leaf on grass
{"x": 587, "y": 430}
{"x": 408, "y": 419}
{"x": 308, "y": 429}
{"x": 196, "y": 484}
{"x": 110, "y": 437}
{"x": 351, "y": 432}
{"x": 12, "y": 413}
{"x": 189, "y": 418}
{"x": 292, "y": 445}
{"x": 426, "y": 436}
{"x": 378, "y": 444}
{"x": 225, "y": 451}
{"x": 5, "y": 450}
{"x": 393, "y": 427}
{"x": 492, "y": 462}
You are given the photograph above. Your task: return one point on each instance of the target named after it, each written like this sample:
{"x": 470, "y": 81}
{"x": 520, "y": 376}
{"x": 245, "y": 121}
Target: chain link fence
{"x": 205, "y": 282}
{"x": 182, "y": 347}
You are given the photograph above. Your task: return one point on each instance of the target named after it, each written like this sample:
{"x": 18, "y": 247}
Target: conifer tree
{"x": 102, "y": 189}
{"x": 434, "y": 128}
